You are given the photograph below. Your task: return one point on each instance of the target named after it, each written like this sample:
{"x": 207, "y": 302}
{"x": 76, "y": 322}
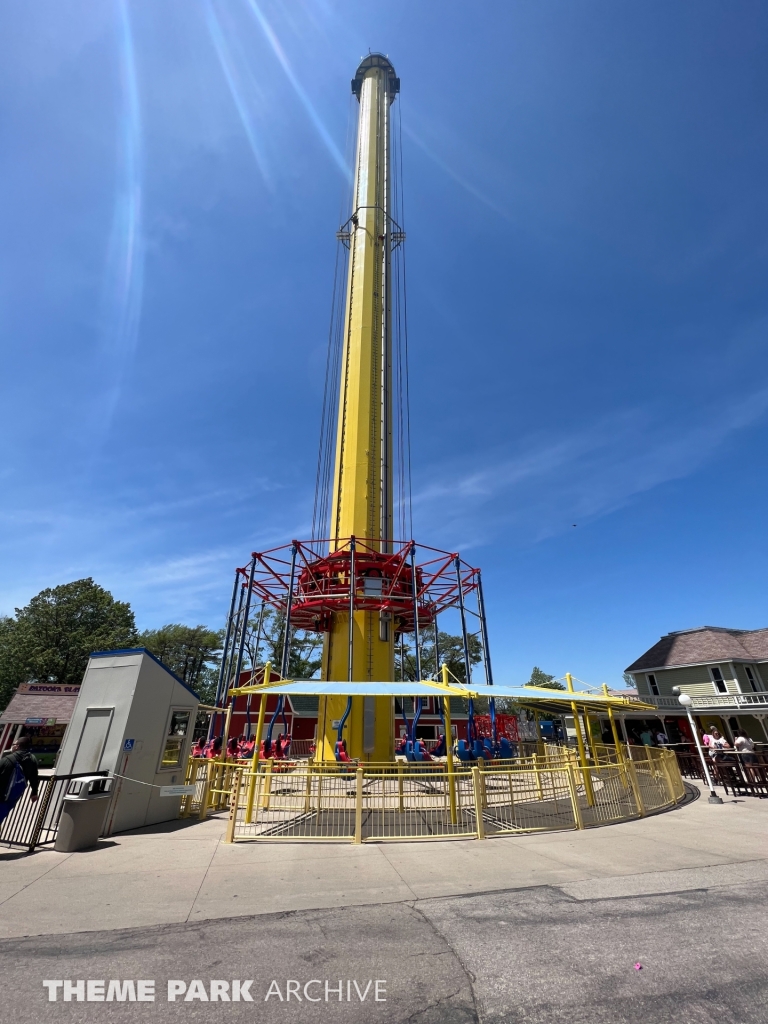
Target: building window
{"x": 751, "y": 678}
{"x": 717, "y": 679}
{"x": 174, "y": 741}
{"x": 654, "y": 686}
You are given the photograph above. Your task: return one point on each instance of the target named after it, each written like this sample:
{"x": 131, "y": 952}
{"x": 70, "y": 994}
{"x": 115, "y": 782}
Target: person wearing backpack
{"x": 17, "y": 768}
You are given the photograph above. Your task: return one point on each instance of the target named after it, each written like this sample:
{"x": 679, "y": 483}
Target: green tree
{"x": 305, "y": 656}
{"x": 543, "y": 679}
{"x": 51, "y": 638}
{"x": 192, "y": 652}
{"x": 450, "y": 650}
{"x": 10, "y": 672}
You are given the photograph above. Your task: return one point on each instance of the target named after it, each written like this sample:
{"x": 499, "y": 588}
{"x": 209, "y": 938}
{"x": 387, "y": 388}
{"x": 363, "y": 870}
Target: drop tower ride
{"x": 362, "y": 495}
{"x": 358, "y": 586}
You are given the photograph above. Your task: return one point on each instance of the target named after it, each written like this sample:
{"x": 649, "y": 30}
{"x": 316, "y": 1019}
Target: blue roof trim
{"x": 143, "y": 650}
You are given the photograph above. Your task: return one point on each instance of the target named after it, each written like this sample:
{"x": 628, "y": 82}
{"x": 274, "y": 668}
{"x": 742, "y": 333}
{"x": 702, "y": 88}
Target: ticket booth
{"x": 133, "y": 718}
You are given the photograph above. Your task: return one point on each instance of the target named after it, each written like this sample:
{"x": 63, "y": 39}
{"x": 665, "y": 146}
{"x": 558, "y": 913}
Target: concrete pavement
{"x": 540, "y": 928}
{"x": 535, "y": 955}
{"x": 184, "y": 872}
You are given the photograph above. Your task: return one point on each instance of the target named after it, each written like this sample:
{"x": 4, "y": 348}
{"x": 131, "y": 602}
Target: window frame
{"x": 173, "y": 710}
{"x": 753, "y": 678}
{"x": 653, "y": 683}
{"x": 717, "y": 683}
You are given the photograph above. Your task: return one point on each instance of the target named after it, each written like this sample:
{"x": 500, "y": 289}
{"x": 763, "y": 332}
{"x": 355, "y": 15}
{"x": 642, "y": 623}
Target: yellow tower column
{"x": 362, "y": 504}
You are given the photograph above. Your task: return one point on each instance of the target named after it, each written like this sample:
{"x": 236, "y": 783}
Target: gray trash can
{"x": 83, "y": 812}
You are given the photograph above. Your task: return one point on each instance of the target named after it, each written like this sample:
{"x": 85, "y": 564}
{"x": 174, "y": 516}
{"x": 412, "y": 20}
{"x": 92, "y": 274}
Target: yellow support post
{"x": 257, "y": 744}
{"x": 580, "y": 744}
{"x": 449, "y": 748}
{"x": 477, "y": 788}
{"x": 400, "y": 804}
{"x": 206, "y": 791}
{"x": 234, "y": 803}
{"x": 539, "y": 789}
{"x": 539, "y": 741}
{"x": 614, "y": 730}
{"x": 262, "y": 711}
{"x": 667, "y": 776}
{"x": 267, "y": 784}
{"x": 225, "y": 738}
{"x": 358, "y": 806}
{"x": 590, "y": 738}
{"x": 571, "y": 771}
{"x": 632, "y": 776}
{"x": 480, "y": 769}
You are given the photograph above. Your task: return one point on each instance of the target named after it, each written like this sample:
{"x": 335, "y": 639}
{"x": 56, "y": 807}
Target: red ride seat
{"x": 341, "y": 752}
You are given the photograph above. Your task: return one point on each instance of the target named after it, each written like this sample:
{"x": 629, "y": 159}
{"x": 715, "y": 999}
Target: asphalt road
{"x": 539, "y": 956}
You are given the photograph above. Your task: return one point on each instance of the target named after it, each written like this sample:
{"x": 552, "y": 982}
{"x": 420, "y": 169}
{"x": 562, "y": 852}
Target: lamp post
{"x": 686, "y": 701}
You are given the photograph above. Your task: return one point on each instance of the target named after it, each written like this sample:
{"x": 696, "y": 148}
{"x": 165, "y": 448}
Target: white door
{"x": 93, "y": 739}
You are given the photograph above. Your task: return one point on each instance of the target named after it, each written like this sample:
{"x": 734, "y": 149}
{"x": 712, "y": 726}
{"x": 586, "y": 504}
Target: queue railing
{"x": 32, "y": 823}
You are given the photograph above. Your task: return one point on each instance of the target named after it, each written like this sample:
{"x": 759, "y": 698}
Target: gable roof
{"x": 703, "y": 646}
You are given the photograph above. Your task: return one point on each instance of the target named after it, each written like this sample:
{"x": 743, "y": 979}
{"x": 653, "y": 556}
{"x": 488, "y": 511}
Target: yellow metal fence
{"x": 406, "y": 802}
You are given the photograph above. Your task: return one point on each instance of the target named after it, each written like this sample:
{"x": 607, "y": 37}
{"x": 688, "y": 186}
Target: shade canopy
{"x": 335, "y": 688}
{"x": 543, "y": 699}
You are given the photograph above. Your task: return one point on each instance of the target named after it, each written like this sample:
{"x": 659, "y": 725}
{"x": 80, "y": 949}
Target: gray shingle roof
{"x": 306, "y": 706}
{"x": 703, "y": 646}
{"x": 39, "y": 705}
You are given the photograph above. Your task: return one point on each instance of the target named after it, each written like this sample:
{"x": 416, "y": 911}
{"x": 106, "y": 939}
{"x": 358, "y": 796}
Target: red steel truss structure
{"x": 310, "y": 583}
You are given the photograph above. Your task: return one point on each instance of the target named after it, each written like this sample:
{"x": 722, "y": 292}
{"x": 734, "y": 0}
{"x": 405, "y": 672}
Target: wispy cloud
{"x": 171, "y": 557}
{"x": 124, "y": 284}
{"x": 238, "y": 89}
{"x": 315, "y": 118}
{"x": 552, "y": 482}
{"x": 452, "y": 172}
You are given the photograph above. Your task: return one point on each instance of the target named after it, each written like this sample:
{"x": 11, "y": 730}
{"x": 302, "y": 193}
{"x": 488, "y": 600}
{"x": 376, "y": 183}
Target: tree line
{"x": 51, "y": 639}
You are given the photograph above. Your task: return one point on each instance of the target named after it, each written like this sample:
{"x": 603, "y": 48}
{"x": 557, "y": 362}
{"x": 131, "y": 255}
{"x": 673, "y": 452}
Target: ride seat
{"x": 341, "y": 752}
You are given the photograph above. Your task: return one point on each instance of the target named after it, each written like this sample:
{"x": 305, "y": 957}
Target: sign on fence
{"x": 177, "y": 790}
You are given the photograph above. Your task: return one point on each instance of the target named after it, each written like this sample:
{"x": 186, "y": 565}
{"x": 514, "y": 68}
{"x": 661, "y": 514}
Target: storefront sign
{"x": 39, "y": 721}
{"x": 52, "y": 688}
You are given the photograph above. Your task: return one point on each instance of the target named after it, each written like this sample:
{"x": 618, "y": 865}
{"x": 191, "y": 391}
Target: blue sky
{"x": 587, "y": 264}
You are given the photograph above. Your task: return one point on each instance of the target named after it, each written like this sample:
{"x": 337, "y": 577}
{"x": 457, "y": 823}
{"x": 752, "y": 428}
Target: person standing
{"x": 17, "y": 769}
{"x": 717, "y": 745}
{"x": 745, "y": 748}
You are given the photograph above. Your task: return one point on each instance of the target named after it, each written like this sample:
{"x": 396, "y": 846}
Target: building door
{"x": 93, "y": 739}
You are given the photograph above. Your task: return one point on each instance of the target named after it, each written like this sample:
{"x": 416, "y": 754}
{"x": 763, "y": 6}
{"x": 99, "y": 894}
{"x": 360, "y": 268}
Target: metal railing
{"x": 36, "y": 823}
{"x": 403, "y": 801}
{"x": 708, "y": 701}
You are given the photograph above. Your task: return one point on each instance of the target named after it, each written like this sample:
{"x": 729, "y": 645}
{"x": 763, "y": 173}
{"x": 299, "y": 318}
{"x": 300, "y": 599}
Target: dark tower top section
{"x": 376, "y": 60}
